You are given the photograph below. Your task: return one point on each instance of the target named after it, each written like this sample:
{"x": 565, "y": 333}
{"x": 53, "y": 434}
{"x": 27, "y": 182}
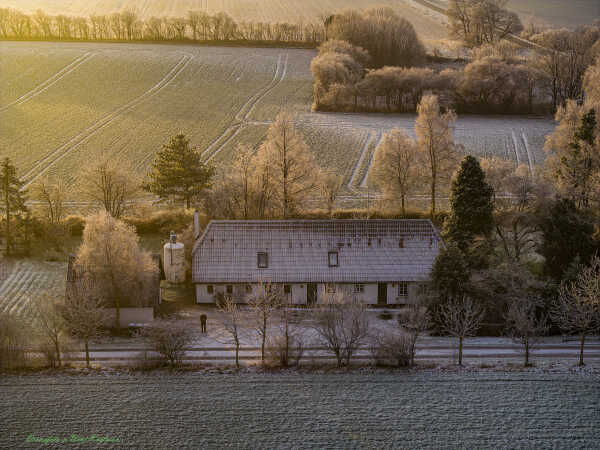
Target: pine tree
{"x": 178, "y": 172}
{"x": 471, "y": 204}
{"x": 12, "y": 201}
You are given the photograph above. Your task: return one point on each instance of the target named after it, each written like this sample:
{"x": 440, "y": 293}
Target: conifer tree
{"x": 178, "y": 172}
{"x": 12, "y": 201}
{"x": 471, "y": 204}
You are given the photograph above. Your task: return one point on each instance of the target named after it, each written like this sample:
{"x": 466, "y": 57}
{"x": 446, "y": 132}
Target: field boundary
{"x": 50, "y": 160}
{"x": 42, "y": 87}
{"x": 363, "y": 183}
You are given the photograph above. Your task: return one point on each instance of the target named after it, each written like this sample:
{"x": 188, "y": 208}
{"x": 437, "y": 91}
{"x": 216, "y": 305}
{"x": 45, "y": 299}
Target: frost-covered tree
{"x": 435, "y": 140}
{"x": 330, "y": 185}
{"x": 293, "y": 171}
{"x": 395, "y": 167}
{"x": 110, "y": 256}
{"x": 460, "y": 318}
{"x": 524, "y": 324}
{"x": 576, "y": 310}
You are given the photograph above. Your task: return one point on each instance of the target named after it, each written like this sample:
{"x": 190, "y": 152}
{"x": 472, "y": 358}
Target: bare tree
{"x": 415, "y": 321}
{"x": 294, "y": 172}
{"x": 331, "y": 184}
{"x": 524, "y": 325}
{"x": 343, "y": 325}
{"x": 435, "y": 138}
{"x": 577, "y": 307}
{"x": 111, "y": 257}
{"x": 111, "y": 185}
{"x": 169, "y": 338}
{"x": 232, "y": 320}
{"x": 51, "y": 326}
{"x": 84, "y": 314}
{"x": 395, "y": 166}
{"x": 460, "y": 318}
{"x": 52, "y": 196}
{"x": 264, "y": 305}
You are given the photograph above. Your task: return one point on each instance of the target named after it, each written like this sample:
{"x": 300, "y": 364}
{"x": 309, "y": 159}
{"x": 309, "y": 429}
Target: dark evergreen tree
{"x": 179, "y": 173}
{"x": 450, "y": 275}
{"x": 568, "y": 236}
{"x": 12, "y": 198}
{"x": 471, "y": 205}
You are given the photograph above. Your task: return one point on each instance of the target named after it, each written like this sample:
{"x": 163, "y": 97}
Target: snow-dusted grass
{"x": 306, "y": 410}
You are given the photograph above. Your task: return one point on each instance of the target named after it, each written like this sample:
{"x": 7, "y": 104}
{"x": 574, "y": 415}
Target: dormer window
{"x": 262, "y": 260}
{"x": 332, "y": 259}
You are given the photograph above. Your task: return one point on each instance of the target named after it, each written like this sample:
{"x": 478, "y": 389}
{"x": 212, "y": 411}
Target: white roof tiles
{"x": 368, "y": 251}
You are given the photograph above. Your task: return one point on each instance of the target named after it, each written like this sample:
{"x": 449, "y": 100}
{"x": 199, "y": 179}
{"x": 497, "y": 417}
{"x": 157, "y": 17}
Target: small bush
{"x": 385, "y": 315}
{"x": 12, "y": 342}
{"x": 392, "y": 349}
{"x": 162, "y": 222}
{"x": 277, "y": 356}
{"x": 168, "y": 338}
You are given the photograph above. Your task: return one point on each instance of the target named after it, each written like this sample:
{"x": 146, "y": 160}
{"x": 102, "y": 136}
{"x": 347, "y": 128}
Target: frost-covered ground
{"x": 343, "y": 410}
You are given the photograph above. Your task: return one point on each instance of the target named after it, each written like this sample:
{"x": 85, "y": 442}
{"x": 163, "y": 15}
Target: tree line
{"x": 128, "y": 26}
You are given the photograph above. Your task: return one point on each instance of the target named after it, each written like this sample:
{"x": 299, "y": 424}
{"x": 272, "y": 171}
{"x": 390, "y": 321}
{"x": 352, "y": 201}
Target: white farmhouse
{"x": 383, "y": 262}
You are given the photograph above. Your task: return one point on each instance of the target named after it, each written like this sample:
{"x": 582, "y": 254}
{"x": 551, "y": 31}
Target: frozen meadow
{"x": 279, "y": 410}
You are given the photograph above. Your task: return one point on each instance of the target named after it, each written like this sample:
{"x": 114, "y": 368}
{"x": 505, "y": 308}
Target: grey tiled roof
{"x": 368, "y": 251}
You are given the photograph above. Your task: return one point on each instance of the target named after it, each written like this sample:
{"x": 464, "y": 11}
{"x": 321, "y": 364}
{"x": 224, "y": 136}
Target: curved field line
{"x": 360, "y": 161}
{"x": 363, "y": 183}
{"x": 229, "y": 139}
{"x": 50, "y": 81}
{"x": 219, "y": 143}
{"x": 514, "y": 138}
{"x": 20, "y": 289}
{"x": 46, "y": 163}
{"x": 7, "y": 283}
{"x": 526, "y": 143}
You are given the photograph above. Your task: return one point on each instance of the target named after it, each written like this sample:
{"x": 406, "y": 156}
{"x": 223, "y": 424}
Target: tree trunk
{"x": 526, "y": 353}
{"x": 237, "y": 355}
{"x": 403, "y": 206}
{"x": 460, "y": 350}
{"x": 87, "y": 354}
{"x": 433, "y": 198}
{"x": 7, "y": 206}
{"x": 57, "y": 348}
{"x": 581, "y": 349}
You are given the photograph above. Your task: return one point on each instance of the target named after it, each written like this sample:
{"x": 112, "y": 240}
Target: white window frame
{"x": 264, "y": 264}
{"x": 333, "y": 255}
{"x": 402, "y": 289}
{"x": 359, "y": 288}
{"x": 331, "y": 288}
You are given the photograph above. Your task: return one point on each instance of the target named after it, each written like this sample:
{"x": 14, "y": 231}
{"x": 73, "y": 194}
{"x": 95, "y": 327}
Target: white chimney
{"x": 196, "y": 224}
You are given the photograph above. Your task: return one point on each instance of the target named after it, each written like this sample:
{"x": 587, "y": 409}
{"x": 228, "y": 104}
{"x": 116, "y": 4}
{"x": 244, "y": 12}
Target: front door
{"x": 311, "y": 293}
{"x": 382, "y": 294}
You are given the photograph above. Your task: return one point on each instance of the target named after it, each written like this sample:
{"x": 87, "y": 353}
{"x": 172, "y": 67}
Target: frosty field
{"x": 352, "y": 410}
{"x": 80, "y": 103}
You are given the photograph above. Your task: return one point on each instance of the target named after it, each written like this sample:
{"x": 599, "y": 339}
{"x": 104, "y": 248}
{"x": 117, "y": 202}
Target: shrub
{"x": 392, "y": 348}
{"x": 279, "y": 357}
{"x": 162, "y": 222}
{"x": 169, "y": 339}
{"x": 75, "y": 224}
{"x": 12, "y": 342}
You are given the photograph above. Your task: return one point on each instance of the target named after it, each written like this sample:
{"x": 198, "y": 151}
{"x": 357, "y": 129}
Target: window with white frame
{"x": 209, "y": 289}
{"x": 262, "y": 260}
{"x": 359, "y": 288}
{"x": 332, "y": 259}
{"x": 403, "y": 289}
{"x": 331, "y": 288}
{"x": 287, "y": 289}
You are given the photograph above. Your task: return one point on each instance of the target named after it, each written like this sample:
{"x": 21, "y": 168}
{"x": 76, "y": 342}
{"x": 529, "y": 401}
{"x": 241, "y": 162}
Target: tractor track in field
{"x": 50, "y": 160}
{"x": 39, "y": 89}
{"x": 242, "y": 117}
{"x": 363, "y": 183}
{"x": 359, "y": 164}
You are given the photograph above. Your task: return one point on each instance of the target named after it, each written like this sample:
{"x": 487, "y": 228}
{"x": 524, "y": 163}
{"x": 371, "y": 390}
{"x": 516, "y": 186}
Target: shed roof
{"x": 368, "y": 251}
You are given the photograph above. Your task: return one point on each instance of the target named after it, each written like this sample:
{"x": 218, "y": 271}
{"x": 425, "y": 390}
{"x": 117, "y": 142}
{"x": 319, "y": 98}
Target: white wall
{"x": 131, "y": 315}
{"x": 368, "y": 296}
{"x": 241, "y": 296}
